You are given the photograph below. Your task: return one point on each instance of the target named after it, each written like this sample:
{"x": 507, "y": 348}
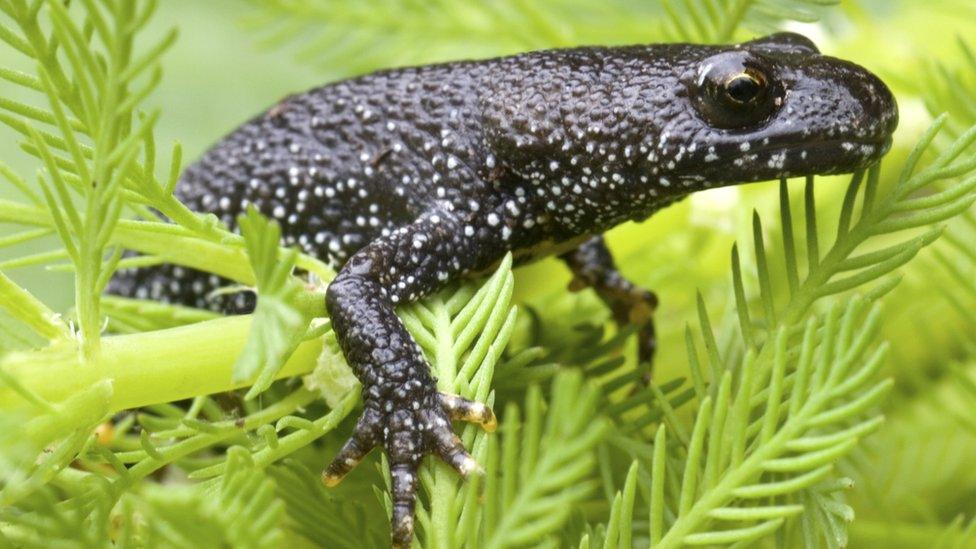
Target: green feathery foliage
{"x": 280, "y": 319}
{"x": 368, "y": 35}
{"x": 754, "y": 451}
{"x": 717, "y": 21}
{"x": 776, "y": 432}
{"x": 949, "y": 88}
{"x": 242, "y": 511}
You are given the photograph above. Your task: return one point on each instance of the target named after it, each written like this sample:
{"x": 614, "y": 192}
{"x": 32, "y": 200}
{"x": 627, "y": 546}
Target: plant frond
{"x": 951, "y": 89}
{"x": 33, "y": 451}
{"x": 91, "y": 135}
{"x": 754, "y": 460}
{"x": 922, "y": 433}
{"x": 463, "y": 333}
{"x": 719, "y": 21}
{"x": 840, "y": 269}
{"x": 321, "y": 516}
{"x": 365, "y": 36}
{"x": 631, "y": 402}
{"x": 280, "y": 318}
{"x": 242, "y": 511}
{"x": 42, "y": 520}
{"x": 539, "y": 469}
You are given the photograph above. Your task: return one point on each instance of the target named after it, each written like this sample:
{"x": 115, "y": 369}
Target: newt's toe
{"x": 448, "y": 446}
{"x": 459, "y": 408}
{"x": 403, "y": 477}
{"x": 364, "y": 438}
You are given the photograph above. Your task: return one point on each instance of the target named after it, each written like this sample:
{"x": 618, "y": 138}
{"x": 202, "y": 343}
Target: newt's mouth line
{"x": 880, "y": 145}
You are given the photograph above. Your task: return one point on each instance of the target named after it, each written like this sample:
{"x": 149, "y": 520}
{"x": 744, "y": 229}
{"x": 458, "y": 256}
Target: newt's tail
{"x": 181, "y": 286}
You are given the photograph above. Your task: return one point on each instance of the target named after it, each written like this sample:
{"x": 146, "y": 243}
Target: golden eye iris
{"x": 744, "y": 87}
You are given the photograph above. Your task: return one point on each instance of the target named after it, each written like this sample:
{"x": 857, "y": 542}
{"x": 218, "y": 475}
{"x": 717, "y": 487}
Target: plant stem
{"x": 171, "y": 242}
{"x": 147, "y": 368}
{"x": 186, "y": 447}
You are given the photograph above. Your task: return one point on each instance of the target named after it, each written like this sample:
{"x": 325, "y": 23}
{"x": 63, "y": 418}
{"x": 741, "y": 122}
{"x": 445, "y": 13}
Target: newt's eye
{"x": 734, "y": 91}
{"x": 745, "y": 87}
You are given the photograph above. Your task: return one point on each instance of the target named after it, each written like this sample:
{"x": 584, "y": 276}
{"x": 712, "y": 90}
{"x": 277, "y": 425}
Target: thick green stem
{"x": 87, "y": 305}
{"x": 147, "y": 368}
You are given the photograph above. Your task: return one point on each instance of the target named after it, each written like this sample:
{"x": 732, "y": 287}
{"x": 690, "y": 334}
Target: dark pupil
{"x": 743, "y": 88}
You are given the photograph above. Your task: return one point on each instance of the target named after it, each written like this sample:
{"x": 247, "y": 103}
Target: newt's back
{"x": 345, "y": 163}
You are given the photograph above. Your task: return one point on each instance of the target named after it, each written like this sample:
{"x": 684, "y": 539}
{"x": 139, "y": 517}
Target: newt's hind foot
{"x": 635, "y": 307}
{"x": 408, "y": 434}
{"x": 631, "y": 305}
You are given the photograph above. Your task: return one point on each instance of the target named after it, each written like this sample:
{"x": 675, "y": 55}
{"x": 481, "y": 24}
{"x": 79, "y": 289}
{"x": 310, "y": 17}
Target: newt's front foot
{"x": 408, "y": 433}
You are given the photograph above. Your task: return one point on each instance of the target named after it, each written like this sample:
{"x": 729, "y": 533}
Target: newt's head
{"x": 774, "y": 107}
{"x": 621, "y": 131}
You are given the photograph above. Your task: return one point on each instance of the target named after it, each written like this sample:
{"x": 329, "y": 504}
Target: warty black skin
{"x": 407, "y": 179}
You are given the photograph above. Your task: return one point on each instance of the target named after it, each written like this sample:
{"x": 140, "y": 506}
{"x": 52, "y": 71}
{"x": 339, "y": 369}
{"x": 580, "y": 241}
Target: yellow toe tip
{"x": 331, "y": 480}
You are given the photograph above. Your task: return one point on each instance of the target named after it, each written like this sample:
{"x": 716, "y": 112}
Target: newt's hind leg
{"x": 403, "y": 411}
{"x": 593, "y": 267}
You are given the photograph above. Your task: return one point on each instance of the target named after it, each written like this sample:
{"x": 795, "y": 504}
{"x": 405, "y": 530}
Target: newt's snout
{"x": 864, "y": 109}
{"x": 847, "y": 114}
{"x": 880, "y": 110}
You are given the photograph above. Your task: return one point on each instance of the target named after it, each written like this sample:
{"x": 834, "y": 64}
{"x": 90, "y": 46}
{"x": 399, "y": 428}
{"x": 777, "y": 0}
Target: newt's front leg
{"x": 593, "y": 267}
{"x": 403, "y": 411}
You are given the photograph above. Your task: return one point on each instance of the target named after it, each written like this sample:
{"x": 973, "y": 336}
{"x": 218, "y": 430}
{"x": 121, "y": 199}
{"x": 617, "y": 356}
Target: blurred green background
{"x": 224, "y": 69}
{"x": 216, "y": 77}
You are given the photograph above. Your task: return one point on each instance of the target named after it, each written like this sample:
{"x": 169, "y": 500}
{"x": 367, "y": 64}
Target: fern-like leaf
{"x": 280, "y": 317}
{"x": 540, "y": 467}
{"x": 463, "y": 332}
{"x": 952, "y": 89}
{"x": 320, "y": 515}
{"x": 716, "y": 21}
{"x": 243, "y": 511}
{"x": 775, "y": 428}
